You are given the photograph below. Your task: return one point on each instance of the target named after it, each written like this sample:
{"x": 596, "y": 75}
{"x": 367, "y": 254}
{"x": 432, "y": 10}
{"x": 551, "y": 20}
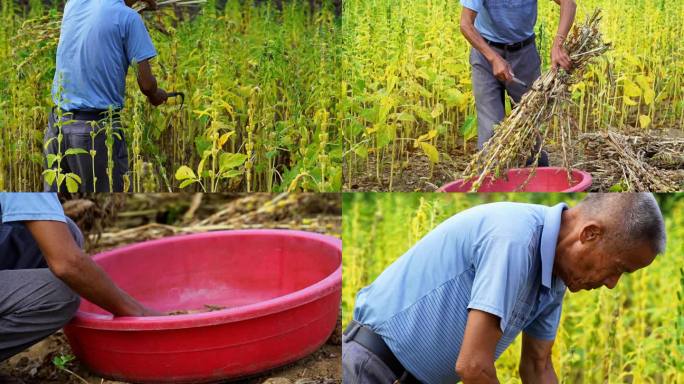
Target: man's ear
{"x": 591, "y": 231}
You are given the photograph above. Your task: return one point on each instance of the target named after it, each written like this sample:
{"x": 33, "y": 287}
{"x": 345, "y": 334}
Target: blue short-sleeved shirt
{"x": 98, "y": 42}
{"x": 497, "y": 258}
{"x": 504, "y": 21}
{"x": 30, "y": 206}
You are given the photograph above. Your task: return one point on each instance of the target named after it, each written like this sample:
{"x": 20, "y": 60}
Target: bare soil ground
{"x": 111, "y": 220}
{"x": 416, "y": 174}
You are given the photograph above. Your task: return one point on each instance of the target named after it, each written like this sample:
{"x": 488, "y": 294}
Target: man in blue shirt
{"x": 504, "y": 55}
{"x": 99, "y": 40}
{"x": 43, "y": 270}
{"x": 448, "y": 308}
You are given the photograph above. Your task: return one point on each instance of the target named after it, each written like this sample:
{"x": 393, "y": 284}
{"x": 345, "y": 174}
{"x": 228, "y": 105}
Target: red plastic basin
{"x": 281, "y": 290}
{"x": 546, "y": 179}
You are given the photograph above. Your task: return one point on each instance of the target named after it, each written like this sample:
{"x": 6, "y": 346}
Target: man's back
{"x": 504, "y": 21}
{"x": 15, "y": 208}
{"x": 99, "y": 40}
{"x": 486, "y": 258}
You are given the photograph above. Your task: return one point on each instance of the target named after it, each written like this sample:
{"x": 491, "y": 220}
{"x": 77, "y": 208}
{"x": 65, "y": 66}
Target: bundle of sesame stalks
{"x": 141, "y": 6}
{"x": 519, "y": 138}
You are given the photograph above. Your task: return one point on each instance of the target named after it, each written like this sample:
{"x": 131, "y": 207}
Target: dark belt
{"x": 374, "y": 343}
{"x": 512, "y": 47}
{"x": 91, "y": 115}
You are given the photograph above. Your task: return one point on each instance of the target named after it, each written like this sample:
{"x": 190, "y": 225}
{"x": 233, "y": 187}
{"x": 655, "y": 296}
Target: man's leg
{"x": 361, "y": 366}
{"x": 33, "y": 304}
{"x": 77, "y": 135}
{"x": 120, "y": 160}
{"x": 526, "y": 65}
{"x": 488, "y": 92}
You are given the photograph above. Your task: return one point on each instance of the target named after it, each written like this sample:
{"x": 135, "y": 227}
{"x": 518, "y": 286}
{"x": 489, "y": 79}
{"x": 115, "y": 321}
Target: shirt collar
{"x": 549, "y": 238}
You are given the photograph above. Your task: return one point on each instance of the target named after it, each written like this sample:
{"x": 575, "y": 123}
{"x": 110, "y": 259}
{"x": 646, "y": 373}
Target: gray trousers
{"x": 34, "y": 303}
{"x": 361, "y": 366}
{"x": 76, "y": 134}
{"x": 489, "y": 92}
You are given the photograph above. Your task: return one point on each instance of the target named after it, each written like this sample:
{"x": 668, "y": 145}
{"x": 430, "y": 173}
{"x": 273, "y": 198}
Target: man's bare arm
{"x": 148, "y": 84}
{"x": 500, "y": 67}
{"x": 536, "y": 366}
{"x": 567, "y": 16}
{"x": 475, "y": 362}
{"x": 71, "y": 265}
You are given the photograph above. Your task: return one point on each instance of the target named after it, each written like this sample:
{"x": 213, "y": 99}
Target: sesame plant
{"x": 54, "y": 173}
{"x": 62, "y": 363}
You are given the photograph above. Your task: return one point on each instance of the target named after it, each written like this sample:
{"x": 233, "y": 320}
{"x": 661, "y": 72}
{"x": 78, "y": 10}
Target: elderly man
{"x": 448, "y": 308}
{"x": 43, "y": 270}
{"x": 504, "y": 56}
{"x": 99, "y": 40}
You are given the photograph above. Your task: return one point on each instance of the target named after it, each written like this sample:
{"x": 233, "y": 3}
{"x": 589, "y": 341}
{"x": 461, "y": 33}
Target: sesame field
{"x": 261, "y": 88}
{"x": 409, "y": 121}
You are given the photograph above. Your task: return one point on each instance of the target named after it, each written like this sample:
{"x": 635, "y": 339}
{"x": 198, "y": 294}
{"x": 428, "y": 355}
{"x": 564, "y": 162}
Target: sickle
{"x": 176, "y": 94}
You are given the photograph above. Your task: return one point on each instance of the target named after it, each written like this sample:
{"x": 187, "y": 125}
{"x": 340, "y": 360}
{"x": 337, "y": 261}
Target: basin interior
{"x": 217, "y": 269}
{"x": 544, "y": 180}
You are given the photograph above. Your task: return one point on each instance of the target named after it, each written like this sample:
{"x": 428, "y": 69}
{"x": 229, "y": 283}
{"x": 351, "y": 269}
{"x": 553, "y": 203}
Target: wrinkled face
{"x": 594, "y": 262}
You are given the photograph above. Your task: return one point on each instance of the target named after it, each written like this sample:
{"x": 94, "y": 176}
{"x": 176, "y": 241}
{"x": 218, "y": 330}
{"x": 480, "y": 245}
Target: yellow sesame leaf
{"x": 431, "y": 152}
{"x": 628, "y": 101}
{"x": 631, "y": 89}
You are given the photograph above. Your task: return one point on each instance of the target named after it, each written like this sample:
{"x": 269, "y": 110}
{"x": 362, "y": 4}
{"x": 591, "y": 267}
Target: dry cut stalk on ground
{"x": 300, "y": 211}
{"x": 519, "y": 136}
{"x": 648, "y": 163}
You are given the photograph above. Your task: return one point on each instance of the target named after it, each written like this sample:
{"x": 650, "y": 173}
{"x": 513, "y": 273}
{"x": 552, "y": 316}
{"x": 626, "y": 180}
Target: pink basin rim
{"x": 306, "y": 295}
{"x": 584, "y": 183}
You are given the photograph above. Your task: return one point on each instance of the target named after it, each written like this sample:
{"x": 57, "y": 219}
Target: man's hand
{"x": 159, "y": 97}
{"x": 475, "y": 362}
{"x": 535, "y": 361}
{"x": 144, "y": 311}
{"x": 68, "y": 262}
{"x": 559, "y": 57}
{"x": 501, "y": 69}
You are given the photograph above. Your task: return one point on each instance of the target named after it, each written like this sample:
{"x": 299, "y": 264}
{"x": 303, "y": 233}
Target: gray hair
{"x": 636, "y": 216}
